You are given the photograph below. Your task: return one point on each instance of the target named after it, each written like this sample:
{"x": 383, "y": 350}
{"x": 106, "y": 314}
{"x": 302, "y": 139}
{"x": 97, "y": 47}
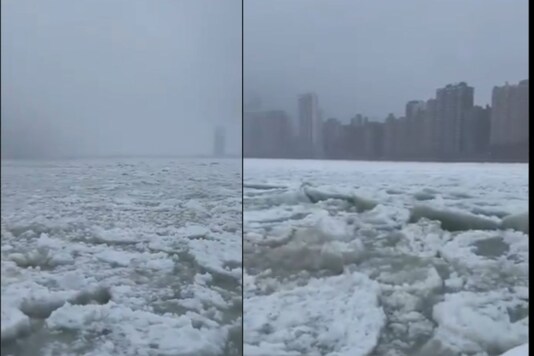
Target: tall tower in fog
{"x": 453, "y": 102}
{"x": 309, "y": 124}
{"x": 219, "y": 143}
{"x": 510, "y": 115}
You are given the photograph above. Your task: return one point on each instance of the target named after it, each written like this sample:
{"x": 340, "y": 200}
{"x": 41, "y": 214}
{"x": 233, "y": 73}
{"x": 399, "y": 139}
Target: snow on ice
{"x": 369, "y": 258}
{"x": 131, "y": 257}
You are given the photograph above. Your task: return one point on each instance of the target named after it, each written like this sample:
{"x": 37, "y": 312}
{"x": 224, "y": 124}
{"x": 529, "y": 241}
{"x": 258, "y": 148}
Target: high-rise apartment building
{"x": 309, "y": 125}
{"x": 373, "y": 139}
{"x": 510, "y": 116}
{"x": 390, "y": 137}
{"x": 332, "y": 138}
{"x": 430, "y": 129}
{"x": 453, "y": 102}
{"x": 476, "y": 132}
{"x": 414, "y": 113}
{"x": 219, "y": 142}
{"x": 402, "y": 143}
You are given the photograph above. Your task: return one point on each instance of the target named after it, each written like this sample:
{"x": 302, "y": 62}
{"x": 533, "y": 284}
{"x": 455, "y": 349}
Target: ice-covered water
{"x": 129, "y": 257}
{"x": 361, "y": 258}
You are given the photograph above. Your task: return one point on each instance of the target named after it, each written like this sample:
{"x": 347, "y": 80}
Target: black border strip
{"x": 242, "y": 176}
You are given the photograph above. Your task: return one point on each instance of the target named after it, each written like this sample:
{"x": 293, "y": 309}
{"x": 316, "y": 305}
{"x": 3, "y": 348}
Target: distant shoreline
{"x": 118, "y": 157}
{"x": 393, "y": 161}
{"x": 250, "y": 157}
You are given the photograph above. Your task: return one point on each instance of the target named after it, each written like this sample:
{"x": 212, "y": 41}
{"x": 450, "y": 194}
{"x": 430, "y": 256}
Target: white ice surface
{"x": 137, "y": 331}
{"x": 521, "y": 350}
{"x": 339, "y": 315}
{"x": 309, "y": 220}
{"x": 141, "y": 232}
{"x": 14, "y": 322}
{"x": 476, "y": 322}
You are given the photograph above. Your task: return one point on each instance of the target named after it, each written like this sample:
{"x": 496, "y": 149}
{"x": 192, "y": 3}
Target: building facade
{"x": 309, "y": 125}
{"x": 510, "y": 120}
{"x": 332, "y": 139}
{"x": 476, "y": 132}
{"x": 219, "y": 142}
{"x": 453, "y": 102}
{"x": 415, "y": 115}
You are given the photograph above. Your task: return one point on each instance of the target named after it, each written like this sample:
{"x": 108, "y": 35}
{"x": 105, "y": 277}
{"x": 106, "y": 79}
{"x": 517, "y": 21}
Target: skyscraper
{"x": 476, "y": 132}
{"x": 332, "y": 138}
{"x": 510, "y": 118}
{"x": 430, "y": 129}
{"x": 414, "y": 112}
{"x": 390, "y": 137}
{"x": 453, "y": 102}
{"x": 309, "y": 124}
{"x": 373, "y": 139}
{"x": 219, "y": 144}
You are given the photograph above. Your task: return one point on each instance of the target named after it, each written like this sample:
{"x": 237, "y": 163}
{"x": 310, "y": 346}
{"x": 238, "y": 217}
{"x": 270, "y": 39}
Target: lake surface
{"x": 121, "y": 257}
{"x": 382, "y": 258}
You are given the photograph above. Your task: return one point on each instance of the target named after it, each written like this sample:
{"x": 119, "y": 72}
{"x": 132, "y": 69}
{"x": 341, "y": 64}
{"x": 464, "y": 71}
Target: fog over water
{"x": 102, "y": 78}
{"x": 371, "y": 57}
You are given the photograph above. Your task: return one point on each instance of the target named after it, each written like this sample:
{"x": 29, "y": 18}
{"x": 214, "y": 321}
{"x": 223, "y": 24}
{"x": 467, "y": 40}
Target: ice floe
{"x": 445, "y": 246}
{"x": 132, "y": 257}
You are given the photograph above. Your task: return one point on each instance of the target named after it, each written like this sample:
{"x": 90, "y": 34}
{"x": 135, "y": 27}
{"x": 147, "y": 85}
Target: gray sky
{"x": 371, "y": 57}
{"x": 105, "y": 77}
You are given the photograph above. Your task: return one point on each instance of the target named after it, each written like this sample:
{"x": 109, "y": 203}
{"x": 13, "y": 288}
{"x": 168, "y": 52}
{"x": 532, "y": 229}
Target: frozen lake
{"x": 121, "y": 257}
{"x": 381, "y": 258}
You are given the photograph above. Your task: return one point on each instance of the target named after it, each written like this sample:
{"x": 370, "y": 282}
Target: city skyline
{"x": 373, "y": 57}
{"x": 448, "y": 126}
{"x": 255, "y": 103}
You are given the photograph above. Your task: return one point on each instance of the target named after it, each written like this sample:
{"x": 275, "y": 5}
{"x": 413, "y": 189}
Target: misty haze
{"x": 386, "y": 178}
{"x": 101, "y": 78}
{"x": 375, "y": 81}
{"x": 121, "y": 178}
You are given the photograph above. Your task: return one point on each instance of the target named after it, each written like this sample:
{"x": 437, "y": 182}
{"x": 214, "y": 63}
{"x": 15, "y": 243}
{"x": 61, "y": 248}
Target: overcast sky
{"x": 106, "y": 77}
{"x": 371, "y": 57}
